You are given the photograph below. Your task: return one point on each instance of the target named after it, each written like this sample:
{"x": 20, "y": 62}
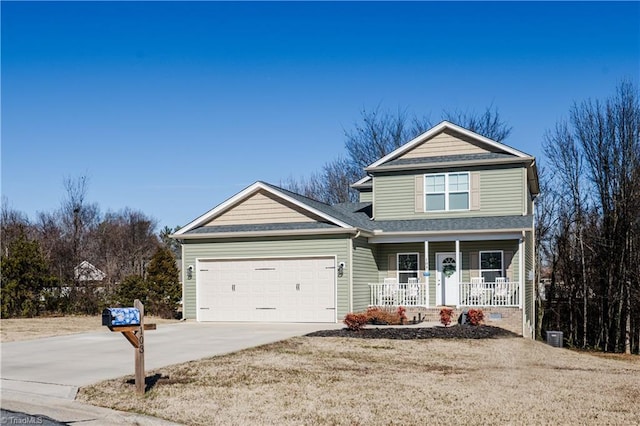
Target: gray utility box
{"x": 120, "y": 316}
{"x": 554, "y": 338}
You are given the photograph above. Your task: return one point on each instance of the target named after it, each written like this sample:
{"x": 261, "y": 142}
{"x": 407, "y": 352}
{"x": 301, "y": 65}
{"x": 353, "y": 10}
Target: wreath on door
{"x": 448, "y": 266}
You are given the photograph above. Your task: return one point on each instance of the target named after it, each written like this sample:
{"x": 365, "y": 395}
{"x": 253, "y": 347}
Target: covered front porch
{"x": 482, "y": 270}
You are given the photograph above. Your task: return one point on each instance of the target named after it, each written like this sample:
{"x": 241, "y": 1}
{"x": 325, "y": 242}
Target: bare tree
{"x": 378, "y": 133}
{"x": 13, "y": 224}
{"x": 488, "y": 124}
{"x": 126, "y": 242}
{"x": 311, "y": 187}
{"x": 596, "y": 157}
{"x": 77, "y": 218}
{"x": 562, "y": 152}
{"x": 546, "y": 217}
{"x": 375, "y": 135}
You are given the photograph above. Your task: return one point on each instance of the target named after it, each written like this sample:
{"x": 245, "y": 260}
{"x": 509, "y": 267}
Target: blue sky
{"x": 170, "y": 108}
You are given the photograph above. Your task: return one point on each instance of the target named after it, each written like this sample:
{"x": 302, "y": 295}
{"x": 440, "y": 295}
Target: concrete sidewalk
{"x": 42, "y": 377}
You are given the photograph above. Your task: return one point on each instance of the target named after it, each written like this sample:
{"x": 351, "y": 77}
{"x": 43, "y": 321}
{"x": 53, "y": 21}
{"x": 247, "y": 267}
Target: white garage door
{"x": 270, "y": 290}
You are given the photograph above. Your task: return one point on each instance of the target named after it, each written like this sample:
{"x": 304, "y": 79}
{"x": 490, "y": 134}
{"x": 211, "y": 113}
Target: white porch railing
{"x": 402, "y": 294}
{"x": 505, "y": 293}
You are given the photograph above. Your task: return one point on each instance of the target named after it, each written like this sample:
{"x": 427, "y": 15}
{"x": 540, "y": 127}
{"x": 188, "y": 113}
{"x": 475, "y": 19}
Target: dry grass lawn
{"x": 313, "y": 380}
{"x": 15, "y": 329}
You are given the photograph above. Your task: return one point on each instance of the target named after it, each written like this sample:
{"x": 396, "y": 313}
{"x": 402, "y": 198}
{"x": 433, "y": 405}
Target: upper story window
{"x": 446, "y": 191}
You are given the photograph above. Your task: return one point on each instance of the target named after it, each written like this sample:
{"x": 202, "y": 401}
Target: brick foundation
{"x": 507, "y": 318}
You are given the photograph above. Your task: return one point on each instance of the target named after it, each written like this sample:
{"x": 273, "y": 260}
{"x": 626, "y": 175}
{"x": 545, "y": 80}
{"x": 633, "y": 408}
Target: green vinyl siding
{"x": 502, "y": 193}
{"x": 529, "y": 284}
{"x": 393, "y": 197}
{"x": 365, "y": 271}
{"x": 266, "y": 247}
{"x": 366, "y": 196}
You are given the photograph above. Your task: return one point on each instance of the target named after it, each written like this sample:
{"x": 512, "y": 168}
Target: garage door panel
{"x": 273, "y": 290}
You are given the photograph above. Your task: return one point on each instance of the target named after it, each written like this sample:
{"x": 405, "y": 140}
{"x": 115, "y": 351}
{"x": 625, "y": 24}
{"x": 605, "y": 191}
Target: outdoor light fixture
{"x": 190, "y": 272}
{"x": 340, "y": 269}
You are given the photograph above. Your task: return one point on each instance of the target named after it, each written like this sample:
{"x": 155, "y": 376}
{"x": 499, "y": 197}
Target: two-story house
{"x": 446, "y": 219}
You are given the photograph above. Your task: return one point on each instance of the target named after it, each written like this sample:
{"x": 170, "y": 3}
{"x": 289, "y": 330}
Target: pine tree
{"x": 24, "y": 276}
{"x": 163, "y": 283}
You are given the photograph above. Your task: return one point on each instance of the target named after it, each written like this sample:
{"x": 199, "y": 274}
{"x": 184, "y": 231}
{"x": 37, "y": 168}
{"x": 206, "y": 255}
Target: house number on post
{"x": 130, "y": 322}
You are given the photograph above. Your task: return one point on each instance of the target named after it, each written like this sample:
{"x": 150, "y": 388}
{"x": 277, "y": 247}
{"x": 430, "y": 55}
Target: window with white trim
{"x": 407, "y": 266}
{"x": 491, "y": 265}
{"x": 446, "y": 191}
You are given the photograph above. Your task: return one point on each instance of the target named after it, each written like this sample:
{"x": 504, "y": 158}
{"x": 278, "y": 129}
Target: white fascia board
{"x": 437, "y": 129}
{"x": 414, "y": 237}
{"x": 361, "y": 181}
{"x": 245, "y": 193}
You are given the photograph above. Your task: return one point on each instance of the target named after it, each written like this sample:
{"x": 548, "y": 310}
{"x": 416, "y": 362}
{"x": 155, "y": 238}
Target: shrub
{"x": 377, "y": 315}
{"x": 402, "y": 314}
{"x": 445, "y": 316}
{"x": 356, "y": 321}
{"x": 475, "y": 316}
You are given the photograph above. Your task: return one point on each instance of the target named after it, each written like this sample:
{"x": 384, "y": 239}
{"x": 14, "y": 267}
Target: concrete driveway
{"x": 58, "y": 366}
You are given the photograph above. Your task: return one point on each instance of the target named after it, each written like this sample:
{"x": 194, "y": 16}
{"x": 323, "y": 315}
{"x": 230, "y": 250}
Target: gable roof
{"x": 343, "y": 218}
{"x": 331, "y": 219}
{"x": 509, "y": 152}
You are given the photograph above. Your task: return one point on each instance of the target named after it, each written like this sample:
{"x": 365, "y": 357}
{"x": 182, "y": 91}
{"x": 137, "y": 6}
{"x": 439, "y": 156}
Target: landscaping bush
{"x": 475, "y": 316}
{"x": 379, "y": 316}
{"x": 402, "y": 314}
{"x": 356, "y": 321}
{"x": 445, "y": 316}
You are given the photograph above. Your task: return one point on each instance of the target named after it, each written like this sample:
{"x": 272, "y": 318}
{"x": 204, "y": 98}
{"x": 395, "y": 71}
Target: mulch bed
{"x": 409, "y": 333}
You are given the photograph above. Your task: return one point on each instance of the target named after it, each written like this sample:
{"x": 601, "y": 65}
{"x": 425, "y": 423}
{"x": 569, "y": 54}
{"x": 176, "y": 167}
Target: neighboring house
{"x": 85, "y": 271}
{"x": 446, "y": 219}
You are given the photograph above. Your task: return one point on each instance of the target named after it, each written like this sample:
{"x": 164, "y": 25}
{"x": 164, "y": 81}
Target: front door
{"x": 447, "y": 279}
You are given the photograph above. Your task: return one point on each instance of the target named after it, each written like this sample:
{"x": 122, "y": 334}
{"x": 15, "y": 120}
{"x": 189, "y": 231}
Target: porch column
{"x": 426, "y": 269}
{"x": 458, "y": 269}
{"x": 521, "y": 277}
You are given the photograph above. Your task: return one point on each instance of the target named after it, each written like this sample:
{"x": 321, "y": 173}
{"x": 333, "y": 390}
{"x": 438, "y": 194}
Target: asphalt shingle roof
{"x": 358, "y": 215}
{"x": 458, "y": 224}
{"x": 347, "y": 213}
{"x": 261, "y": 227}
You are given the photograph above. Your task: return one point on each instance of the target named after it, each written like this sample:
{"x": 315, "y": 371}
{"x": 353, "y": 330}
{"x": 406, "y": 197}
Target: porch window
{"x": 407, "y": 266}
{"x": 491, "y": 265}
{"x": 446, "y": 191}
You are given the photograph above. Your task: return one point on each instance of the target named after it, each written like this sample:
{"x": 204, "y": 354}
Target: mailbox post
{"x": 130, "y": 322}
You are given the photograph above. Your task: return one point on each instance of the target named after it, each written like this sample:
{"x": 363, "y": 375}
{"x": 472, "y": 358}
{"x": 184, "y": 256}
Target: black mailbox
{"x": 120, "y": 316}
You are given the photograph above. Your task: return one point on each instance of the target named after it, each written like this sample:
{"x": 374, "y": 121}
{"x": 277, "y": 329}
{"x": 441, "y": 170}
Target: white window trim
{"x": 398, "y": 271}
{"x": 447, "y": 193}
{"x": 480, "y": 270}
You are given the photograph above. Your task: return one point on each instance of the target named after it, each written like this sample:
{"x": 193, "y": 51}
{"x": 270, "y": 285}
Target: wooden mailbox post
{"x": 134, "y": 333}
